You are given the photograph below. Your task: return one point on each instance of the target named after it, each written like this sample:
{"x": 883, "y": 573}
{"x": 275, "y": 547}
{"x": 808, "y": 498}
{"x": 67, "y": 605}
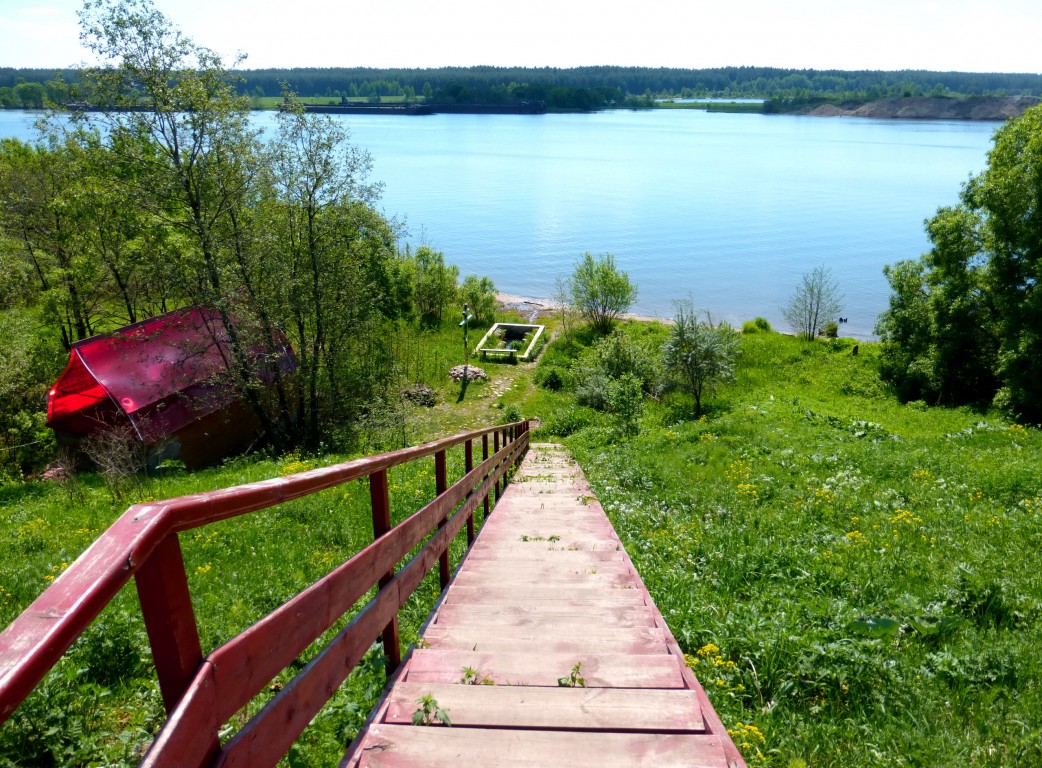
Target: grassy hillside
{"x": 853, "y": 578}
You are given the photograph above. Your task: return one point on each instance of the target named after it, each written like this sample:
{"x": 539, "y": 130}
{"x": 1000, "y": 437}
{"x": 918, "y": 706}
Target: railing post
{"x": 468, "y": 464}
{"x": 380, "y": 498}
{"x": 484, "y": 457}
{"x": 441, "y": 484}
{"x": 166, "y": 605}
{"x": 495, "y": 449}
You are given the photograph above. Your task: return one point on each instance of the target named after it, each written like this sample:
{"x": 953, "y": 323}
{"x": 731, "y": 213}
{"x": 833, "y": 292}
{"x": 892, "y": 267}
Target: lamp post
{"x": 465, "y": 325}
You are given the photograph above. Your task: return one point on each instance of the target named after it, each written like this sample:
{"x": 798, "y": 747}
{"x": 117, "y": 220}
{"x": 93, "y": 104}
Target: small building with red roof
{"x": 166, "y": 378}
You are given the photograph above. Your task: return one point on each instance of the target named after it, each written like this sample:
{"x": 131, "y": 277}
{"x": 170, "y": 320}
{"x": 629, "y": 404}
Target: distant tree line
{"x": 582, "y": 88}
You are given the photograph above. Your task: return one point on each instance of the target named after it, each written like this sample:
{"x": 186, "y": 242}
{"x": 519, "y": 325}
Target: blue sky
{"x": 965, "y": 35}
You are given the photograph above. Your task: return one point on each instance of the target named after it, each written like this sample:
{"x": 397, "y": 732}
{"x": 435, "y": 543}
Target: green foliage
{"x": 699, "y": 356}
{"x": 756, "y": 325}
{"x": 434, "y": 286}
{"x": 609, "y": 360}
{"x": 835, "y": 563}
{"x": 626, "y": 400}
{"x": 962, "y": 326}
{"x": 574, "y": 678}
{"x": 31, "y": 358}
{"x": 480, "y": 294}
{"x": 600, "y": 291}
{"x": 815, "y": 302}
{"x": 428, "y": 712}
{"x": 550, "y": 377}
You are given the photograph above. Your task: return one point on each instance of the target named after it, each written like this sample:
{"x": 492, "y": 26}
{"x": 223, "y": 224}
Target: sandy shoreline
{"x": 523, "y": 304}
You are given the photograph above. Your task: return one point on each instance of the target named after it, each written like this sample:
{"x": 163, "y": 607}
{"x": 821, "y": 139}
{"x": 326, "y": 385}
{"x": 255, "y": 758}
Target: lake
{"x": 728, "y": 210}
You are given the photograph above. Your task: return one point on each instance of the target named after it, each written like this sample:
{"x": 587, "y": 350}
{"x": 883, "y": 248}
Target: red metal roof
{"x": 160, "y": 374}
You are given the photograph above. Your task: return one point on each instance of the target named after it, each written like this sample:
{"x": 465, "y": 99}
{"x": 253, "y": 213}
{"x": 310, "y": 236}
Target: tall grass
{"x": 852, "y": 577}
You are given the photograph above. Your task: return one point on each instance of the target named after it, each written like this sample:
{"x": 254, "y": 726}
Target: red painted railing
{"x": 202, "y": 693}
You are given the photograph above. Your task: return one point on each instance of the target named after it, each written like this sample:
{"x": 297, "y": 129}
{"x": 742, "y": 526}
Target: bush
{"x": 567, "y": 421}
{"x": 757, "y": 325}
{"x": 831, "y": 330}
{"x": 611, "y": 359}
{"x": 550, "y": 377}
{"x": 600, "y": 291}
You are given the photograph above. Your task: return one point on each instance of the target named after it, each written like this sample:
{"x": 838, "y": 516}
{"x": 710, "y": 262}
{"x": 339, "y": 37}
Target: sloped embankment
{"x": 934, "y": 108}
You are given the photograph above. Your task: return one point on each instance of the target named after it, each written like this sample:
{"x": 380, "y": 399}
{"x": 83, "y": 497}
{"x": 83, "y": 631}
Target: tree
{"x": 435, "y": 282}
{"x": 815, "y": 302}
{"x": 965, "y": 320}
{"x": 31, "y": 95}
{"x": 480, "y": 294}
{"x": 600, "y": 291}
{"x": 699, "y": 356}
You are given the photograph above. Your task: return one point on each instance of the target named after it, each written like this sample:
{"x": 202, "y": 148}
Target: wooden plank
{"x": 399, "y": 746}
{"x": 606, "y": 670}
{"x": 561, "y": 614}
{"x": 540, "y": 594}
{"x": 570, "y": 640}
{"x": 553, "y": 559}
{"x": 501, "y": 706}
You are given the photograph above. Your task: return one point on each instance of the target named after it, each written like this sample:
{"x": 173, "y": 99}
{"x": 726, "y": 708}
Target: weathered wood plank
{"x": 565, "y": 640}
{"x": 397, "y": 746}
{"x": 500, "y": 706}
{"x": 605, "y": 670}
{"x": 497, "y": 594}
{"x": 564, "y": 613}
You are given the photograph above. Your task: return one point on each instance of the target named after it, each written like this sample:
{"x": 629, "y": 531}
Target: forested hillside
{"x": 583, "y": 87}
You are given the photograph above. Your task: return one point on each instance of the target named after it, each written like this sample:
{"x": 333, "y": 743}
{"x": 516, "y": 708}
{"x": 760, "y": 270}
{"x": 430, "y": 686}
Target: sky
{"x": 939, "y": 35}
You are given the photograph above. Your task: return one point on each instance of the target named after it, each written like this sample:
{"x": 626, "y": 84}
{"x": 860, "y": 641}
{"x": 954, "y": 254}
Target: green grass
{"x": 853, "y": 578}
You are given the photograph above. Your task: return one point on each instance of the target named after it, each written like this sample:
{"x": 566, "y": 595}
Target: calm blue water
{"x": 728, "y": 210}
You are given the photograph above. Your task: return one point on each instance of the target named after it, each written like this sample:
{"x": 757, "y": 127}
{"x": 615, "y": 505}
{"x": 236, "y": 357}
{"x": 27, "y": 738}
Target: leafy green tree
{"x": 698, "y": 355}
{"x": 31, "y": 95}
{"x": 626, "y": 401}
{"x": 38, "y": 186}
{"x": 965, "y": 320}
{"x": 480, "y": 294}
{"x": 815, "y": 302}
{"x": 1008, "y": 198}
{"x": 600, "y": 291}
{"x": 435, "y": 282}
{"x": 183, "y": 139}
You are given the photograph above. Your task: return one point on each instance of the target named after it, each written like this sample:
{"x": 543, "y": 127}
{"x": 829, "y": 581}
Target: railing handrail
{"x": 143, "y": 542}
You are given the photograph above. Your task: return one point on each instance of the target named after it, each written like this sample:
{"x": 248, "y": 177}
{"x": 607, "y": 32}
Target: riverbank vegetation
{"x": 579, "y": 88}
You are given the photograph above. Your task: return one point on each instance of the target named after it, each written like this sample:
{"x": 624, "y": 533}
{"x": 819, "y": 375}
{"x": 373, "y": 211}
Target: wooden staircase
{"x": 546, "y": 650}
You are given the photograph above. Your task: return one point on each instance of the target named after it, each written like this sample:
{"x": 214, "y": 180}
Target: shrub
{"x": 567, "y": 421}
{"x": 600, "y": 291}
{"x": 757, "y": 325}
{"x": 831, "y": 330}
{"x": 550, "y": 377}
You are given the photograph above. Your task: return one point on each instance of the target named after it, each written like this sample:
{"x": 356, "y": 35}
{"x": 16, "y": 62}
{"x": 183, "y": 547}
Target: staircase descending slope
{"x": 568, "y": 660}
